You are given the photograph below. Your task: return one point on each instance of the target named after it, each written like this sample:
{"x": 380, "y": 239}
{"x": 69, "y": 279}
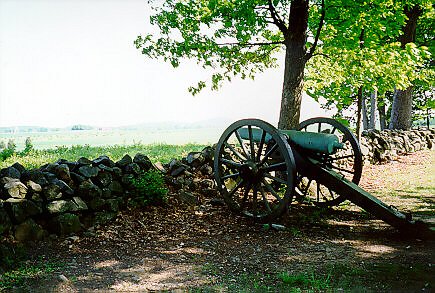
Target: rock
{"x": 89, "y": 190}
{"x": 97, "y": 204}
{"x": 81, "y": 205}
{"x": 207, "y": 183}
{"x": 33, "y": 187}
{"x": 132, "y": 168}
{"x": 62, "y": 206}
{"x": 206, "y": 170}
{"x": 52, "y": 192}
{"x": 5, "y": 221}
{"x": 116, "y": 188}
{"x": 105, "y": 168}
{"x": 84, "y": 161}
{"x": 14, "y": 188}
{"x": 77, "y": 178}
{"x": 10, "y": 172}
{"x": 49, "y": 176}
{"x": 127, "y": 181}
{"x": 188, "y": 198}
{"x": 195, "y": 159}
{"x": 64, "y": 188}
{"x": 105, "y": 192}
{"x": 21, "y": 209}
{"x": 50, "y": 168}
{"x": 124, "y": 161}
{"x": 217, "y": 202}
{"x": 20, "y": 168}
{"x": 208, "y": 153}
{"x": 36, "y": 176}
{"x": 88, "y": 171}
{"x": 143, "y": 161}
{"x": 178, "y": 171}
{"x": 29, "y": 231}
{"x": 159, "y": 166}
{"x": 103, "y": 160}
{"x": 113, "y": 204}
{"x": 65, "y": 224}
{"x": 117, "y": 172}
{"x": 103, "y": 179}
{"x": 210, "y": 192}
{"x": 63, "y": 173}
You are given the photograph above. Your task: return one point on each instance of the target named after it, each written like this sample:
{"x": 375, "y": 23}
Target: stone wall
{"x": 383, "y": 146}
{"x": 68, "y": 197}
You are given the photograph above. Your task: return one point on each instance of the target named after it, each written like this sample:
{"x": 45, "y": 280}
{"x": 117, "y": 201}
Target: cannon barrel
{"x": 313, "y": 141}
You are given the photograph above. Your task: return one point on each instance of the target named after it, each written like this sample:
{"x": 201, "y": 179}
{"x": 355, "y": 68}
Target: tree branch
{"x": 251, "y": 44}
{"x": 276, "y": 19}
{"x": 319, "y": 29}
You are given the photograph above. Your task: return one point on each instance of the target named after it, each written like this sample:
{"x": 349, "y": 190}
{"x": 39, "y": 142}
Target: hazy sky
{"x": 64, "y": 62}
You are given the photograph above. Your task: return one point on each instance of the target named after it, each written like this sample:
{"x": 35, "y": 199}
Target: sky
{"x": 66, "y": 62}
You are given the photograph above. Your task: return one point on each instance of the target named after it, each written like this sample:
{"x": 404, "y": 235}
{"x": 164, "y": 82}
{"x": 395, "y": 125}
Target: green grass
{"x": 25, "y": 272}
{"x": 156, "y": 152}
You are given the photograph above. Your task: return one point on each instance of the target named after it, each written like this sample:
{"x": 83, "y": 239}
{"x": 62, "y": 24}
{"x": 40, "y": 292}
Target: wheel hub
{"x": 249, "y": 171}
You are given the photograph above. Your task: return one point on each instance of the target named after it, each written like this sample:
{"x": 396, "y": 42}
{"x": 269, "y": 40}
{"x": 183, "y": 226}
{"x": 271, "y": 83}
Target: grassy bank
{"x": 156, "y": 152}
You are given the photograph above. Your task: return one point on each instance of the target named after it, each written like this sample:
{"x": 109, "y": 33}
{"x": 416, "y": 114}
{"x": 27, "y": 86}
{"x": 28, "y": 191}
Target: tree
{"x": 239, "y": 38}
{"x": 401, "y": 112}
{"x": 345, "y": 69}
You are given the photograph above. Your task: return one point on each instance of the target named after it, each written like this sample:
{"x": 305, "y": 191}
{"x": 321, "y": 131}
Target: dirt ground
{"x": 180, "y": 248}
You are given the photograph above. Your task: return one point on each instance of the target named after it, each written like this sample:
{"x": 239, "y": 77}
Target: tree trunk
{"x": 295, "y": 60}
{"x": 358, "y": 113}
{"x": 401, "y": 111}
{"x": 373, "y": 109}
{"x": 365, "y": 118}
{"x": 382, "y": 116}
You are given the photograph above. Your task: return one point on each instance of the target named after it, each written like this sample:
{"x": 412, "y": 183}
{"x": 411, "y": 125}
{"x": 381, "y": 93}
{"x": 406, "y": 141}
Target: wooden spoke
{"x": 245, "y": 196}
{"x": 231, "y": 193}
{"x": 235, "y": 151}
{"x": 271, "y": 190}
{"x": 279, "y": 180}
{"x": 265, "y": 201}
{"x": 274, "y": 167}
{"x": 234, "y": 175}
{"x": 260, "y": 147}
{"x": 272, "y": 149}
{"x": 254, "y": 201}
{"x": 251, "y": 142}
{"x": 231, "y": 163}
{"x": 241, "y": 144}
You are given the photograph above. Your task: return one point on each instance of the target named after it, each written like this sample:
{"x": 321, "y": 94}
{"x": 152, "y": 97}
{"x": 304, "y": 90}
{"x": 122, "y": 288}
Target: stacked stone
{"x": 192, "y": 176}
{"x": 381, "y": 146}
{"x": 64, "y": 197}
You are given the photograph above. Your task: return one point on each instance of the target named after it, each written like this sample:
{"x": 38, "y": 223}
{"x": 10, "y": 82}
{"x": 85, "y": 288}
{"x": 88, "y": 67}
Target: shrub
{"x": 150, "y": 188}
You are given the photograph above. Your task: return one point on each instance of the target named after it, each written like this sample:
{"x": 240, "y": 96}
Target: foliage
{"x": 151, "y": 188}
{"x": 360, "y": 49}
{"x": 232, "y": 38}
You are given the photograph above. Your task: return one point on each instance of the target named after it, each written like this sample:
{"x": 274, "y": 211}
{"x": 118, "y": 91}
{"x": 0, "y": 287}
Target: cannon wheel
{"x": 347, "y": 162}
{"x": 255, "y": 177}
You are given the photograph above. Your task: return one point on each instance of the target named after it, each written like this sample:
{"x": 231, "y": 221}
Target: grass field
{"x": 49, "y": 140}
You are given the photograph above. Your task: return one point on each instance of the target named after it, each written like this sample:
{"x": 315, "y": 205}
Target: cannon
{"x": 259, "y": 170}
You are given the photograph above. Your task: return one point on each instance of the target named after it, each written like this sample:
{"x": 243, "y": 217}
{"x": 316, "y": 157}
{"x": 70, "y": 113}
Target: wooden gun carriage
{"x": 260, "y": 169}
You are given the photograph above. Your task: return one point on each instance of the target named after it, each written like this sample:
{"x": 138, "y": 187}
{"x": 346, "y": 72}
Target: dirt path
{"x": 210, "y": 248}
